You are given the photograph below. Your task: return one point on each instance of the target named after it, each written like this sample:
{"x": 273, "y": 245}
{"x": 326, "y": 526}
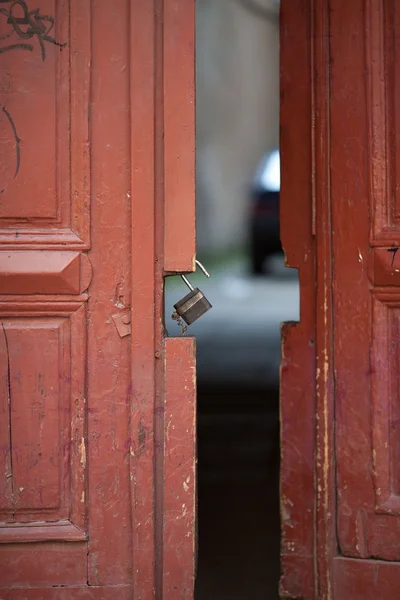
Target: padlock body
{"x": 192, "y": 306}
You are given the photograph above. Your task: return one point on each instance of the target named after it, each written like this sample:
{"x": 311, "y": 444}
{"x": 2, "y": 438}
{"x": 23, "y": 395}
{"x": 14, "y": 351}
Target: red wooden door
{"x": 340, "y": 468}
{"x": 97, "y": 417}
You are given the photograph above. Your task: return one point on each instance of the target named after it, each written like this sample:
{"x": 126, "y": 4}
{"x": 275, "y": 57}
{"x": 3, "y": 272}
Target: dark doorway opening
{"x": 238, "y": 341}
{"x": 239, "y": 526}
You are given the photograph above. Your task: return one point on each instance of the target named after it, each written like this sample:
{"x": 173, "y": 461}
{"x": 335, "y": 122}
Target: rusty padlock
{"x": 194, "y": 304}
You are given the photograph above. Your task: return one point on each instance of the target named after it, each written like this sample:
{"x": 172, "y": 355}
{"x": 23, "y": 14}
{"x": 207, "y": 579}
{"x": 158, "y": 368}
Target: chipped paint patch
{"x": 82, "y": 452}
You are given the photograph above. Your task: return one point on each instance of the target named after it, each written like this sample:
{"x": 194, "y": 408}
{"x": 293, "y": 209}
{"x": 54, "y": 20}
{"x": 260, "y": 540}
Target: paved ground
{"x": 238, "y": 340}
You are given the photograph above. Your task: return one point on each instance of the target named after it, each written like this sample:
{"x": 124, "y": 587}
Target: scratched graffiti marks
{"x": 24, "y": 26}
{"x": 19, "y": 29}
{"x": 17, "y": 141}
{"x": 394, "y": 251}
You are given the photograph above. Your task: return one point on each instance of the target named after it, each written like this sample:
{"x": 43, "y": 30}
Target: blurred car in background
{"x": 264, "y": 212}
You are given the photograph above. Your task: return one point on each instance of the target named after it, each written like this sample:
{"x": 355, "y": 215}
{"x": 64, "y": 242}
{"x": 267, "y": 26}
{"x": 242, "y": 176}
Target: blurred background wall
{"x": 237, "y": 113}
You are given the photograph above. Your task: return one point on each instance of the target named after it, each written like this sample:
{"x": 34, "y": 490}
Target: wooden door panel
{"x": 36, "y": 565}
{"x": 38, "y": 357}
{"x": 35, "y": 90}
{"x": 351, "y": 295}
{"x": 117, "y": 592}
{"x": 385, "y": 402}
{"x": 365, "y": 579}
{"x": 383, "y": 94}
{"x": 179, "y": 513}
{"x": 45, "y": 175}
{"x": 62, "y": 415}
{"x": 179, "y": 139}
{"x": 297, "y": 373}
{"x": 354, "y": 229}
{"x": 43, "y": 390}
{"x": 109, "y": 389}
{"x": 97, "y": 485}
{"x": 44, "y": 272}
{"x": 366, "y": 299}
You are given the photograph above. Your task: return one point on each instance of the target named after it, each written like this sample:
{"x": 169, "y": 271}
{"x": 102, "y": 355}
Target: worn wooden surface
{"x": 355, "y": 217}
{"x": 179, "y": 138}
{"x": 366, "y": 579}
{"x": 90, "y": 220}
{"x": 179, "y": 511}
{"x": 145, "y": 343}
{"x": 298, "y": 340}
{"x": 117, "y": 592}
{"x": 365, "y": 214}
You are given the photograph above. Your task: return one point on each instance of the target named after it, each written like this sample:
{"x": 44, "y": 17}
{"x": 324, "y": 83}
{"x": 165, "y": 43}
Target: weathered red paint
{"x": 179, "y": 142}
{"x": 92, "y": 479}
{"x": 298, "y": 340}
{"x": 366, "y": 456}
{"x": 120, "y": 592}
{"x": 353, "y": 483}
{"x": 179, "y": 534}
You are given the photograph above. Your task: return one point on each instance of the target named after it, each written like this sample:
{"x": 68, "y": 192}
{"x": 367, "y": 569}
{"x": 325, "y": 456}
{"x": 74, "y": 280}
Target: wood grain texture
{"x": 366, "y": 579}
{"x": 179, "y": 135}
{"x": 82, "y": 407}
{"x": 108, "y": 367}
{"x": 325, "y": 464}
{"x": 61, "y": 531}
{"x": 118, "y": 592}
{"x": 364, "y": 392}
{"x": 43, "y": 350}
{"x": 179, "y": 510}
{"x": 147, "y": 285}
{"x": 47, "y": 204}
{"x": 42, "y": 565}
{"x": 298, "y": 339}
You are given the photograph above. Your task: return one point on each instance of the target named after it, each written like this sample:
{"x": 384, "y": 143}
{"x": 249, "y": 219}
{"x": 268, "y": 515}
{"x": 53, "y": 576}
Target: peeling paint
{"x": 82, "y": 452}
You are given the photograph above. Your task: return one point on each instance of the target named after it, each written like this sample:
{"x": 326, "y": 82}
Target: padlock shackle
{"x": 206, "y": 273}
{"x": 186, "y": 280}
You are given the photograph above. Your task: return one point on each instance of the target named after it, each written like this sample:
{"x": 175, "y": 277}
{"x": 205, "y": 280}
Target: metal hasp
{"x": 194, "y": 304}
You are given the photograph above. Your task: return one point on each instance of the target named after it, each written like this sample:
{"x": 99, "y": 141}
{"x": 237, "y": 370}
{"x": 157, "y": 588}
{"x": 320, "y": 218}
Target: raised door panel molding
{"x": 385, "y": 404}
{"x": 44, "y": 272}
{"x": 44, "y": 130}
{"x": 383, "y": 95}
{"x": 42, "y": 425}
{"x": 384, "y": 266}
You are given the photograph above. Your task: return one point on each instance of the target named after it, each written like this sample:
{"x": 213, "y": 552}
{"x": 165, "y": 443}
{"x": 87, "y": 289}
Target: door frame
{"x": 308, "y": 521}
{"x": 163, "y": 369}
